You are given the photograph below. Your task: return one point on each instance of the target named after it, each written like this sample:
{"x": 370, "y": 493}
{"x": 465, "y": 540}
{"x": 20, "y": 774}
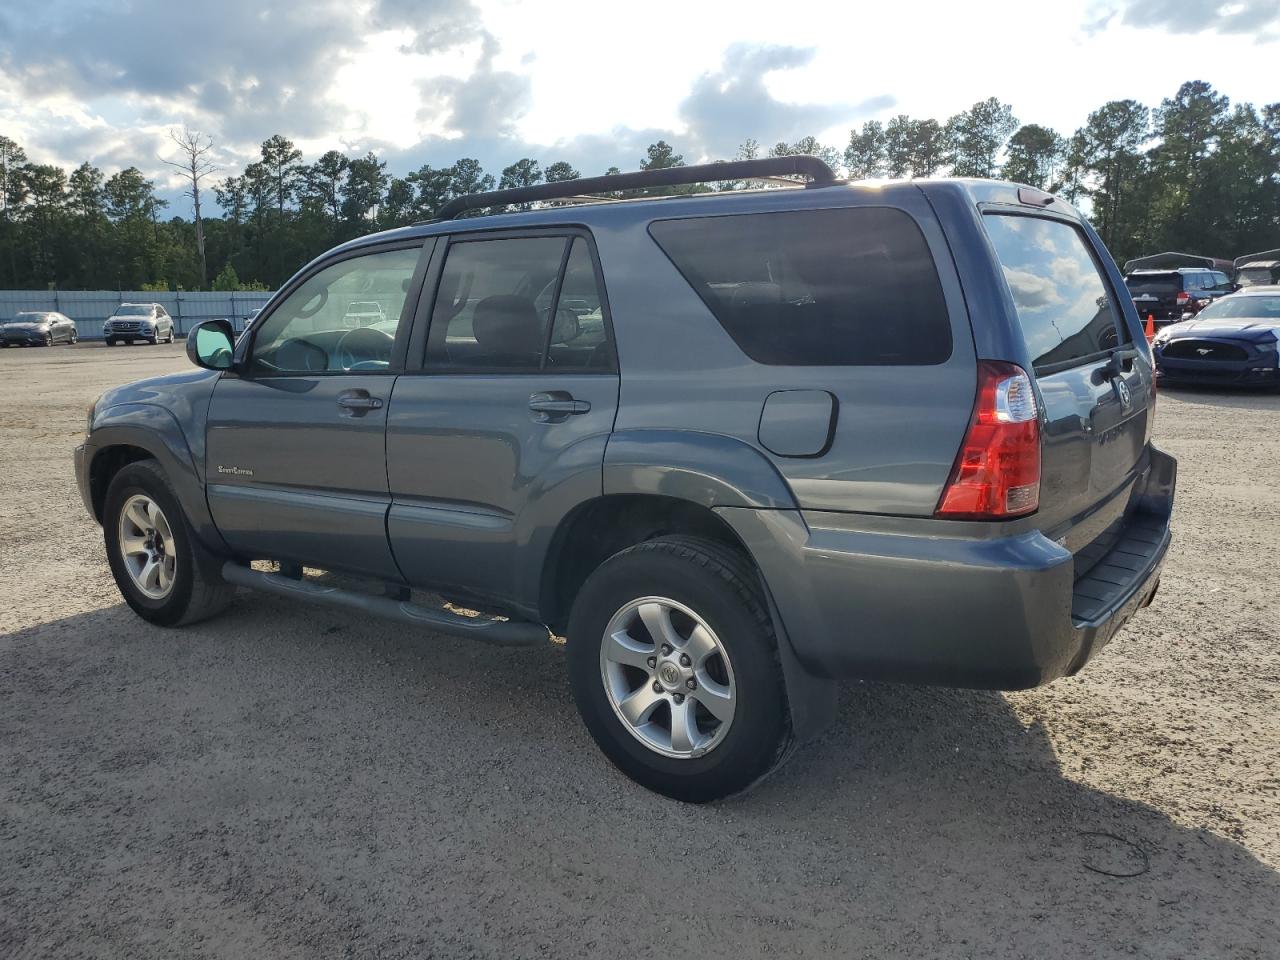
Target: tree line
{"x": 1194, "y": 173}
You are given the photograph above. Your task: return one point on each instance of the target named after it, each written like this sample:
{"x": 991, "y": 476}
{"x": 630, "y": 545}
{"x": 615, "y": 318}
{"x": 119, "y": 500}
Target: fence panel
{"x": 90, "y": 308}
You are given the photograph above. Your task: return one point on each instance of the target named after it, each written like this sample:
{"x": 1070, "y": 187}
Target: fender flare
{"x": 703, "y": 468}
{"x": 716, "y": 471}
{"x": 156, "y": 430}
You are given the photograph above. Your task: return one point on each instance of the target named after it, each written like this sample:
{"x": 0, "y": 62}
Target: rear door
{"x": 502, "y": 426}
{"x": 1095, "y": 386}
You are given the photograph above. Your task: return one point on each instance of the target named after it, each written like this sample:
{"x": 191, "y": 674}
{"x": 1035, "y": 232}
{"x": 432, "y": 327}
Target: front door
{"x": 295, "y": 462}
{"x": 504, "y": 425}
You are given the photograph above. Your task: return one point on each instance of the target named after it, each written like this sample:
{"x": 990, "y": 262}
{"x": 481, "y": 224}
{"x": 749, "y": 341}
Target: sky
{"x": 429, "y": 81}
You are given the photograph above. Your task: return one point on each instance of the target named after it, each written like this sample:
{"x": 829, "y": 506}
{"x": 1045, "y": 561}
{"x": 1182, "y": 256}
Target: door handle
{"x": 555, "y": 406}
{"x": 356, "y": 403}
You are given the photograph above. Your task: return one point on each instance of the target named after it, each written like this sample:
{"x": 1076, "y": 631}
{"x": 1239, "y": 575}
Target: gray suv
{"x": 733, "y": 446}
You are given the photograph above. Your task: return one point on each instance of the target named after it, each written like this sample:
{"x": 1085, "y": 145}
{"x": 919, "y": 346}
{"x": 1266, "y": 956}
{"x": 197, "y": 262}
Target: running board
{"x": 504, "y": 633}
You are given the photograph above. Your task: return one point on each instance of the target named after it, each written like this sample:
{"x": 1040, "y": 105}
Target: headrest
{"x": 507, "y": 327}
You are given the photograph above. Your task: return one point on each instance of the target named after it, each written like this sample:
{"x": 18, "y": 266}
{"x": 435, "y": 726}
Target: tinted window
{"x": 1155, "y": 283}
{"x": 1062, "y": 302}
{"x": 496, "y": 302}
{"x": 579, "y": 340}
{"x": 316, "y": 329}
{"x": 816, "y": 287}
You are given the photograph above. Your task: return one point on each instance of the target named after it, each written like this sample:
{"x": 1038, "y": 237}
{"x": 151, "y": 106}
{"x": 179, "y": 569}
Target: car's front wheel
{"x": 674, "y": 667}
{"x": 162, "y": 571}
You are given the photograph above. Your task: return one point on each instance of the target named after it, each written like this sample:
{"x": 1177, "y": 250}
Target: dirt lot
{"x": 290, "y": 782}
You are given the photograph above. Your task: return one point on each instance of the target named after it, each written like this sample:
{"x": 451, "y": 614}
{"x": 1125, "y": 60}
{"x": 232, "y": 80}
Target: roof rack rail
{"x": 804, "y": 165}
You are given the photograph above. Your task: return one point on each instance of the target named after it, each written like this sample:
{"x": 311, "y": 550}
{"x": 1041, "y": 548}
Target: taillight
{"x": 1183, "y": 297}
{"x": 997, "y": 472}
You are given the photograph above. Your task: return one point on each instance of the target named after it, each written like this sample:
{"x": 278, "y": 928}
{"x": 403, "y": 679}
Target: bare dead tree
{"x": 195, "y": 165}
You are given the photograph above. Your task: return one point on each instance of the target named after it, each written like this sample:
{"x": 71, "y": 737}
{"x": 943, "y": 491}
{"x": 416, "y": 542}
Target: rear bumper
{"x": 1003, "y": 612}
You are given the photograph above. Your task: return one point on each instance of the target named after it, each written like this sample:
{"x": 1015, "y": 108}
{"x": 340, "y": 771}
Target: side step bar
{"x": 505, "y": 633}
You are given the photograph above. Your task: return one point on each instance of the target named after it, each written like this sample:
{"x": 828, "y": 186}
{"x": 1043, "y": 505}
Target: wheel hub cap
{"x": 668, "y": 677}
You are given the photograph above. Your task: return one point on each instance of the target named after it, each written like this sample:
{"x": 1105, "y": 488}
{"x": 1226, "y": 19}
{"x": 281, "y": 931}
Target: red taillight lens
{"x": 1184, "y": 297}
{"x": 997, "y": 472}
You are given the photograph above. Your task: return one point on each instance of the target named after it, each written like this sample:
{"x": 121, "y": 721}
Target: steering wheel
{"x": 364, "y": 348}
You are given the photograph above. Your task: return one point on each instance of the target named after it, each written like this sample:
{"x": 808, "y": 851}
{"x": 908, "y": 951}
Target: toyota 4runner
{"x": 733, "y": 446}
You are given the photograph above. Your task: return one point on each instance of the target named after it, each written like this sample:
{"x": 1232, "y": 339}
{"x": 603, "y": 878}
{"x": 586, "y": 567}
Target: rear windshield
{"x": 1154, "y": 283}
{"x": 1063, "y": 306}
{"x": 816, "y": 287}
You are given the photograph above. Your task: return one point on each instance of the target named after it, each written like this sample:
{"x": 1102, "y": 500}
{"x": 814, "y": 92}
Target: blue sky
{"x": 428, "y": 81}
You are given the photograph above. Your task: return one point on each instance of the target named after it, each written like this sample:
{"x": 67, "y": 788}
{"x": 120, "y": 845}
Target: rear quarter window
{"x": 1063, "y": 305}
{"x": 846, "y": 287}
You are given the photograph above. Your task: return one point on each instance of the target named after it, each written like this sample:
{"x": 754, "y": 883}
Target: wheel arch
{"x": 601, "y": 527}
{"x": 129, "y": 432}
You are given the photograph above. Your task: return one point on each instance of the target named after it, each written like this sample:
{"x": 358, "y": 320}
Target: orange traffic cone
{"x": 1151, "y": 326}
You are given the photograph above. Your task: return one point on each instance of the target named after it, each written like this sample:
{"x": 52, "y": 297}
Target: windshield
{"x": 1240, "y": 308}
{"x": 132, "y": 310}
{"x": 28, "y": 317}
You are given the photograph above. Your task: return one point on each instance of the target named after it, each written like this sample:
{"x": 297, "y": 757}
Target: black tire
{"x": 720, "y": 586}
{"x": 110, "y": 343}
{"x": 198, "y": 590}
{"x": 74, "y": 338}
{"x": 48, "y": 340}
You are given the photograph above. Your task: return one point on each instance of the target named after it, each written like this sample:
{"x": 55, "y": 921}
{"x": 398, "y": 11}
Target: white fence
{"x": 89, "y": 308}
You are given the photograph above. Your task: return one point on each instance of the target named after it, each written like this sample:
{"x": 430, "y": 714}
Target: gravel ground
{"x": 292, "y": 782}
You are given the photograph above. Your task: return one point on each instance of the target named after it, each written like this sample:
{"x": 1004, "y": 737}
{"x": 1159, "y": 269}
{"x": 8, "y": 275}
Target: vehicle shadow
{"x": 1238, "y": 398}
{"x": 286, "y": 781}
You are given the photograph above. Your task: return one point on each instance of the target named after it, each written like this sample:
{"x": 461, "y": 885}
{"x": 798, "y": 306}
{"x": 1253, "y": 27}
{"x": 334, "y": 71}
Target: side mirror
{"x": 211, "y": 345}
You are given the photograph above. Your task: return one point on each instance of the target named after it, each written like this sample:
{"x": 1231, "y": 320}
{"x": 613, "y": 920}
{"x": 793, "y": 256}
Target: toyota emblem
{"x": 1122, "y": 391}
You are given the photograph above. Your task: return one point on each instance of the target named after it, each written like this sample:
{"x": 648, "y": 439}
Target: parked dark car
{"x": 1231, "y": 342}
{"x": 145, "y": 322}
{"x": 730, "y": 445}
{"x": 1172, "y": 295}
{"x": 38, "y": 328}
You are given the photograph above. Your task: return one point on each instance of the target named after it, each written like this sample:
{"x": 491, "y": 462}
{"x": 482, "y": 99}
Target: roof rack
{"x": 1260, "y": 256}
{"x": 1172, "y": 260}
{"x": 801, "y": 165}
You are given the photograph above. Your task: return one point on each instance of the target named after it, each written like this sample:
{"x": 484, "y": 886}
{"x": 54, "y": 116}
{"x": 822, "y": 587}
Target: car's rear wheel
{"x": 74, "y": 338}
{"x": 162, "y": 571}
{"x": 675, "y": 671}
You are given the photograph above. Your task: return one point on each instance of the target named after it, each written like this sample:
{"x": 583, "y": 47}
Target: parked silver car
{"x": 148, "y": 322}
{"x": 38, "y": 328}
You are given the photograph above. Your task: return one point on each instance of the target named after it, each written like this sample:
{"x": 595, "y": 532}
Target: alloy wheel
{"x": 146, "y": 546}
{"x": 668, "y": 677}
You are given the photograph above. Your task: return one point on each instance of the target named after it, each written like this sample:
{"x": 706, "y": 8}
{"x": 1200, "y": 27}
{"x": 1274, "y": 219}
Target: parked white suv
{"x": 148, "y": 322}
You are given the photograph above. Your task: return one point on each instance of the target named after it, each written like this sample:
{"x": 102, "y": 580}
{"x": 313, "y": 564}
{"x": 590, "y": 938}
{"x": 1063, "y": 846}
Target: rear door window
{"x": 854, "y": 286}
{"x": 1063, "y": 303}
{"x": 519, "y": 304}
